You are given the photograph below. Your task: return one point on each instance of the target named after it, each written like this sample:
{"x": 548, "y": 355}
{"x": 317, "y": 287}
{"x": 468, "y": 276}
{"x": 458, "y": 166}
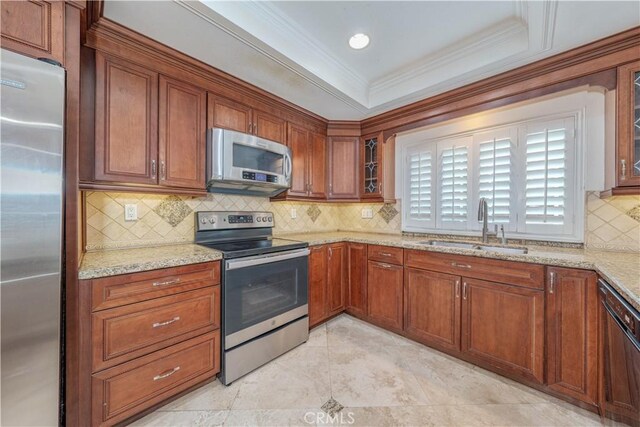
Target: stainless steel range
{"x": 264, "y": 289}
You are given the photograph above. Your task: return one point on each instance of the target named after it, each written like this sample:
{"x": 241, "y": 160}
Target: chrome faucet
{"x": 483, "y": 215}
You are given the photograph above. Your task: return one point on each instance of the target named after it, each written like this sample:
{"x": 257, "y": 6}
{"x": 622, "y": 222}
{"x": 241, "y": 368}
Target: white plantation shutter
{"x": 420, "y": 208}
{"x": 494, "y": 177}
{"x": 548, "y": 152}
{"x": 454, "y": 183}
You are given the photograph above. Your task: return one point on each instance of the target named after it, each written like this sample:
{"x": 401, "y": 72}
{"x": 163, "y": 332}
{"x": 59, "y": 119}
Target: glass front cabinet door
{"x": 628, "y": 132}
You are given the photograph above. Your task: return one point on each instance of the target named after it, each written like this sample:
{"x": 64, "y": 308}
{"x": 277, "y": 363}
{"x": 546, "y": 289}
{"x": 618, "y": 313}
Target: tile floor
{"x": 379, "y": 378}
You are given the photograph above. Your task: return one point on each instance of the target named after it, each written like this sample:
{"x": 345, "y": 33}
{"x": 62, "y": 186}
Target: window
{"x": 525, "y": 171}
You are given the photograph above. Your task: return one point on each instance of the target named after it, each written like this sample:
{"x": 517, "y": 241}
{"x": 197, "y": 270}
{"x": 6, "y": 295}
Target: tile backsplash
{"x": 611, "y": 224}
{"x": 166, "y": 219}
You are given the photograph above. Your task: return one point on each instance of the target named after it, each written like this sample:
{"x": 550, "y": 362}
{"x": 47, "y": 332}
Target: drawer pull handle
{"x": 385, "y": 265}
{"x": 168, "y": 322}
{"x": 168, "y": 282}
{"x": 166, "y": 374}
{"x": 457, "y": 288}
{"x": 464, "y": 290}
{"x": 385, "y": 254}
{"x": 552, "y": 282}
{"x": 455, "y": 264}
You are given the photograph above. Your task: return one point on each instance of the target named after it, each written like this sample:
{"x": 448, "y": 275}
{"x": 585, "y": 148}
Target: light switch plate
{"x": 294, "y": 213}
{"x": 130, "y": 212}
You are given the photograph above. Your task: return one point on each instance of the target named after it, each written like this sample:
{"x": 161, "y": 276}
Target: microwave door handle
{"x": 288, "y": 165}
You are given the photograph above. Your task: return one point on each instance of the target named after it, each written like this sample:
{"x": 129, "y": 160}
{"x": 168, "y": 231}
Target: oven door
{"x": 262, "y": 293}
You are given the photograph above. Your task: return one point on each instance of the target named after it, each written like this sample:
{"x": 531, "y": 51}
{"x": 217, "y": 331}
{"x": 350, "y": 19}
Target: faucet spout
{"x": 483, "y": 209}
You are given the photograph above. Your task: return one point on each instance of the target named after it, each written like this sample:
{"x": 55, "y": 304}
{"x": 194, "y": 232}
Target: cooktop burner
{"x": 243, "y": 248}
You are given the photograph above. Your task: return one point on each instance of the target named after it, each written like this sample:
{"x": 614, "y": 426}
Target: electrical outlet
{"x": 130, "y": 212}
{"x": 294, "y": 213}
{"x": 366, "y": 213}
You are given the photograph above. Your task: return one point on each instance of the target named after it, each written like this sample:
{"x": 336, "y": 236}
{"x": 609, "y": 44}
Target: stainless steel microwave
{"x": 240, "y": 163}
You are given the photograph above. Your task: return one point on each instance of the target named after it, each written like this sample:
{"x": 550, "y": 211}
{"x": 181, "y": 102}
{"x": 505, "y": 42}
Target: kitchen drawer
{"x": 125, "y": 289}
{"x": 127, "y": 389}
{"x": 387, "y": 254}
{"x": 515, "y": 273}
{"x": 120, "y": 334}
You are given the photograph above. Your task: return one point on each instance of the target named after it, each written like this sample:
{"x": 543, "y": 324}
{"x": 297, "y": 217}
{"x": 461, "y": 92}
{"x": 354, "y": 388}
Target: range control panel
{"x": 214, "y": 220}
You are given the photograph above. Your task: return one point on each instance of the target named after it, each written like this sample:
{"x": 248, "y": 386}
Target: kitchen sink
{"x": 450, "y": 244}
{"x": 503, "y": 250}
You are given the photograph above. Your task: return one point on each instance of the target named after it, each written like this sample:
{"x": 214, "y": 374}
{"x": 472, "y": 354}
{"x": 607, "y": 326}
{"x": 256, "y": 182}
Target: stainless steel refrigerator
{"x": 31, "y": 132}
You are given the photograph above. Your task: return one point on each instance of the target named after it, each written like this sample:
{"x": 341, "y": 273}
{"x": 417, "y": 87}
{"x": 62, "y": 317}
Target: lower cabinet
{"x": 432, "y": 308}
{"x": 357, "y": 279}
{"x": 327, "y": 281}
{"x": 385, "y": 294}
{"x": 149, "y": 336}
{"x": 572, "y": 333}
{"x": 503, "y": 325}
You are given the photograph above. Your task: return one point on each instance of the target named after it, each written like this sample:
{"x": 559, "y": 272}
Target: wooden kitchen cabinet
{"x": 628, "y": 127}
{"x": 126, "y": 139}
{"x": 377, "y": 158}
{"x": 33, "y": 28}
{"x": 572, "y": 334}
{"x": 327, "y": 281}
{"x": 503, "y": 327}
{"x": 344, "y": 170}
{"x": 228, "y": 114}
{"x": 385, "y": 294}
{"x": 432, "y": 308}
{"x": 308, "y": 159}
{"x": 149, "y": 129}
{"x": 337, "y": 275}
{"x": 357, "y": 279}
{"x": 182, "y": 133}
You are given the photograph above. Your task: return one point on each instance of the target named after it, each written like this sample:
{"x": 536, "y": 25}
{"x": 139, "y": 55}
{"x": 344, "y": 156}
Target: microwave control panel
{"x": 260, "y": 177}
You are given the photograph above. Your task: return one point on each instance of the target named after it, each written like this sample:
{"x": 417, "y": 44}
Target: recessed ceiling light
{"x": 359, "y": 41}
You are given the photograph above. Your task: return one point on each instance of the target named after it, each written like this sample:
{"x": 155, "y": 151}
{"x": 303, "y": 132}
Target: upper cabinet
{"x": 343, "y": 162}
{"x": 227, "y": 114}
{"x": 628, "y": 125}
{"x": 34, "y": 28}
{"x": 149, "y": 129}
{"x": 377, "y": 158}
{"x": 308, "y": 155}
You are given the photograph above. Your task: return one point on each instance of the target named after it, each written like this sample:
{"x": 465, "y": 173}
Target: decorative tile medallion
{"x": 388, "y": 211}
{"x": 314, "y": 212}
{"x": 173, "y": 210}
{"x": 634, "y": 213}
{"x": 332, "y": 407}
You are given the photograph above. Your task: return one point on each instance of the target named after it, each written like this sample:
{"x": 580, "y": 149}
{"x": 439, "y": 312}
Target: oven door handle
{"x": 265, "y": 259}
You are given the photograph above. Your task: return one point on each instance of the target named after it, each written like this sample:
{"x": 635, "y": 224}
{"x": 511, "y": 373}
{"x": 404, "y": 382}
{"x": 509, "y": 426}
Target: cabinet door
{"x": 503, "y": 326}
{"x": 126, "y": 122}
{"x": 344, "y": 171}
{"x": 34, "y": 28}
{"x": 628, "y": 133}
{"x": 572, "y": 320}
{"x": 432, "y": 308}
{"x": 371, "y": 174}
{"x": 317, "y": 165}
{"x": 182, "y": 127}
{"x": 298, "y": 141}
{"x": 317, "y": 285}
{"x": 384, "y": 294}
{"x": 357, "y": 283}
{"x": 227, "y": 114}
{"x": 336, "y": 277}
{"x": 269, "y": 127}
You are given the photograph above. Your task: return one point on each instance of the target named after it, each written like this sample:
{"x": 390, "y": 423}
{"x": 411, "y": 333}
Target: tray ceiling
{"x": 298, "y": 49}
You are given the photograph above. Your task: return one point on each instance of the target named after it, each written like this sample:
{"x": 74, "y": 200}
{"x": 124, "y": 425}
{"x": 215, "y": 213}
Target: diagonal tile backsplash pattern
{"x": 611, "y": 224}
{"x": 164, "y": 219}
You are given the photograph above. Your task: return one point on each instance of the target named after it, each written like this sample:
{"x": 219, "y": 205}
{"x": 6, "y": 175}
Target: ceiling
{"x": 298, "y": 50}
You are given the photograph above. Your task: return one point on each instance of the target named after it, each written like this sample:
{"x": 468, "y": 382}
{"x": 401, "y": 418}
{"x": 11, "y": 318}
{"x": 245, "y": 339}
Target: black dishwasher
{"x": 621, "y": 355}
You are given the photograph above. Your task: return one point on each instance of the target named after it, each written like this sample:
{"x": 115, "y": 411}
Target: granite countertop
{"x": 132, "y": 260}
{"x": 620, "y": 269}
